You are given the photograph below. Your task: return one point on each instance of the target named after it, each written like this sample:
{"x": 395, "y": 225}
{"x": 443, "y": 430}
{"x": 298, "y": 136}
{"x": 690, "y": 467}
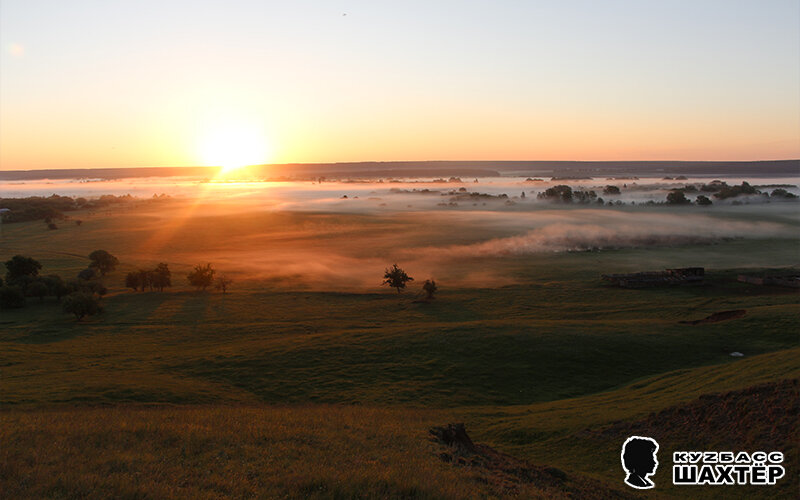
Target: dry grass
{"x": 237, "y": 452}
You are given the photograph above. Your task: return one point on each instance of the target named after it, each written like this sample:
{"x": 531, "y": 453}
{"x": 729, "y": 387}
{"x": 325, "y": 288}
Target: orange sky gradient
{"x": 253, "y": 82}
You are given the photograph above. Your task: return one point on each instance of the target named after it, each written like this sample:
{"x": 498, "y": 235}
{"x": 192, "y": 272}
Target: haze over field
{"x": 341, "y": 235}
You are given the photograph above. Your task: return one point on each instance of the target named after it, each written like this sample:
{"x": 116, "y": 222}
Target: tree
{"x": 676, "y": 197}
{"x": 56, "y": 286}
{"x": 222, "y": 283}
{"x": 703, "y": 201}
{"x": 82, "y": 304}
{"x": 161, "y": 277}
{"x": 782, "y": 193}
{"x": 133, "y": 280}
{"x": 95, "y": 287}
{"x": 146, "y": 279}
{"x": 611, "y": 190}
{"x": 396, "y": 278}
{"x": 584, "y": 196}
{"x": 202, "y": 277}
{"x": 21, "y": 267}
{"x": 87, "y": 274}
{"x": 734, "y": 191}
{"x": 430, "y": 288}
{"x": 103, "y": 261}
{"x": 37, "y": 289}
{"x": 561, "y": 193}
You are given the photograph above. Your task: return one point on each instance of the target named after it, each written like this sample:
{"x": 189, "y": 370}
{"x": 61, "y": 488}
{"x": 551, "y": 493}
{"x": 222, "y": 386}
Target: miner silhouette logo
{"x": 639, "y": 461}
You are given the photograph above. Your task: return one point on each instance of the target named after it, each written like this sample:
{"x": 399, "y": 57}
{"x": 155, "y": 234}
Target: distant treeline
{"x": 52, "y": 207}
{"x": 439, "y": 168}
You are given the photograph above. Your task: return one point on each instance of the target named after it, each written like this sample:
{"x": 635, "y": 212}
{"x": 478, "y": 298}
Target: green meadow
{"x": 309, "y": 379}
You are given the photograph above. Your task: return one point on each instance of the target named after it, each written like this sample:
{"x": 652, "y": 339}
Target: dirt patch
{"x": 717, "y": 317}
{"x": 511, "y": 476}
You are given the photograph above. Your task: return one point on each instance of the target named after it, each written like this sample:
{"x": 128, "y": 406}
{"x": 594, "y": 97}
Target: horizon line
{"x": 406, "y": 161}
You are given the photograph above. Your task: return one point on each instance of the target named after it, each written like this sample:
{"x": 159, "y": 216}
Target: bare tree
{"x": 222, "y": 283}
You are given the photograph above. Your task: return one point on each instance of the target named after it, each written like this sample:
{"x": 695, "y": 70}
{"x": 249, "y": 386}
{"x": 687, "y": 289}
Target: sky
{"x": 87, "y": 84}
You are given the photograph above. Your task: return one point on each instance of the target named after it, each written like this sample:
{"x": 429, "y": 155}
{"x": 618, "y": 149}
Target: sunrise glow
{"x": 232, "y": 145}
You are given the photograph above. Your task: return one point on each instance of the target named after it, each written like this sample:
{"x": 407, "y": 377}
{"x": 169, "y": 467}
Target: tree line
{"x": 82, "y": 295}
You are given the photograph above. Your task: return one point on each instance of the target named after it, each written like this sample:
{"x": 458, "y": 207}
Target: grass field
{"x": 310, "y": 380}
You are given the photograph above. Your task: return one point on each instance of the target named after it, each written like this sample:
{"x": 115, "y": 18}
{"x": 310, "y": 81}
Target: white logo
{"x": 726, "y": 468}
{"x": 639, "y": 461}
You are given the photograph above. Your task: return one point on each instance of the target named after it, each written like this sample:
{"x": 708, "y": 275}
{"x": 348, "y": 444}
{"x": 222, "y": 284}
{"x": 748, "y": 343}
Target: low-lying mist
{"x": 586, "y": 229}
{"x": 341, "y": 236}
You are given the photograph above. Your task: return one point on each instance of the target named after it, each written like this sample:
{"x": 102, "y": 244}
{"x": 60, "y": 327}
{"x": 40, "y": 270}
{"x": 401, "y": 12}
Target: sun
{"x": 233, "y": 145}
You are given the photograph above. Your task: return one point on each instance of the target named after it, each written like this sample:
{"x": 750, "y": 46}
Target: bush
{"x": 82, "y": 304}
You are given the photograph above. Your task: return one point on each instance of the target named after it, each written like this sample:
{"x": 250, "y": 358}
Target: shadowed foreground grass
{"x": 242, "y": 452}
{"x": 326, "y": 451}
